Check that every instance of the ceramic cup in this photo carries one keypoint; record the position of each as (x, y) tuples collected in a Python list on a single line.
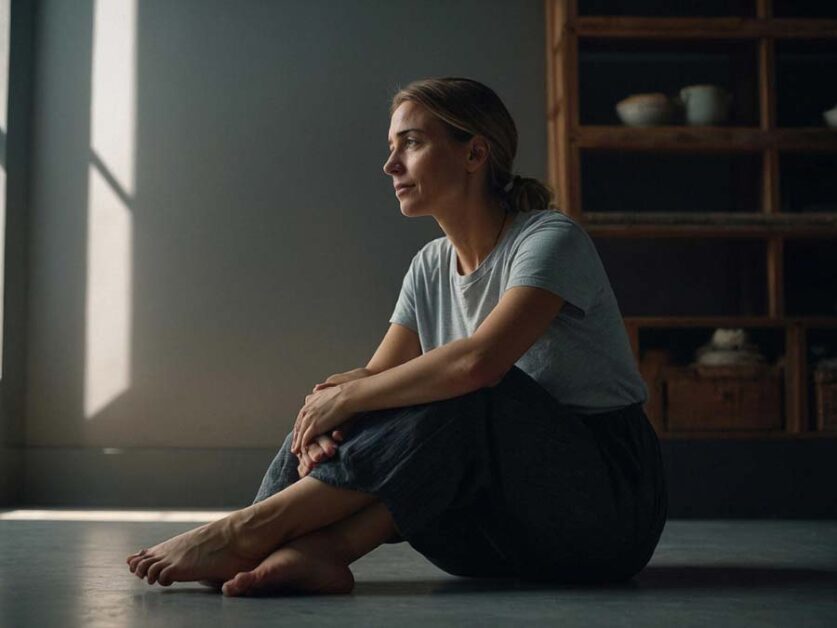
[(830, 117), (644, 109), (705, 104)]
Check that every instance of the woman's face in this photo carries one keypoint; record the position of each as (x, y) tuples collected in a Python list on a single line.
[(425, 159)]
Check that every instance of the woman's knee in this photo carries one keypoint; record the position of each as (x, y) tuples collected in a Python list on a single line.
[(286, 445), (423, 418)]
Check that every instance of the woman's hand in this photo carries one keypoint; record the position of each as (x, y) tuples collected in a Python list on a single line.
[(339, 378), (325, 445), (322, 448), (323, 411)]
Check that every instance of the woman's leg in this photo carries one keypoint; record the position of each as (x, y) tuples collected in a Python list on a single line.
[(238, 542), (318, 562), (421, 461)]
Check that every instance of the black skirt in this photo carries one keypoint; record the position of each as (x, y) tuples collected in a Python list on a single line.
[(506, 482)]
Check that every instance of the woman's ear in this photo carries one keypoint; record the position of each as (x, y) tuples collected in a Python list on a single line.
[(478, 152)]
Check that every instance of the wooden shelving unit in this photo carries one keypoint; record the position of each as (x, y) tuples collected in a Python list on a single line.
[(766, 140)]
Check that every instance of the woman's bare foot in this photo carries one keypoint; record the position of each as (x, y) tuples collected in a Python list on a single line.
[(308, 564), (239, 542), (213, 552)]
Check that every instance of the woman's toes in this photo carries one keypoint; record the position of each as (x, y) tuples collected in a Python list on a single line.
[(136, 561), (144, 566), (154, 571), (240, 584), (166, 576)]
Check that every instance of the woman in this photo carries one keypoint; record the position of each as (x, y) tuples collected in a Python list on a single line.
[(498, 428)]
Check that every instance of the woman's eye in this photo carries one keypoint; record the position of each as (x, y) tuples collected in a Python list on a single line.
[(409, 140)]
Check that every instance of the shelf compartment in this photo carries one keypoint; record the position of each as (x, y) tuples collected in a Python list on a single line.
[(807, 183), (796, 9), (822, 397), (612, 181), (703, 139), (704, 28), (681, 343), (670, 9), (610, 70), (821, 345), (805, 85), (666, 360), (681, 277), (642, 322), (720, 225), (810, 278)]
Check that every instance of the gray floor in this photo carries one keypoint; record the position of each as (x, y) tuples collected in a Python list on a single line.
[(719, 573)]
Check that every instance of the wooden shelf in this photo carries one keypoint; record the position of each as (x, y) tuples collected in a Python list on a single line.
[(711, 28), (714, 225), (752, 58), (704, 139), (826, 322), (749, 435)]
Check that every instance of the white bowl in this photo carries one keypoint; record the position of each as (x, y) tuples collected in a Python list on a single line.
[(644, 110), (830, 117)]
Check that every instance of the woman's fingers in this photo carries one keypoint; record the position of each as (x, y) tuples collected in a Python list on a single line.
[(308, 436), (305, 459), (297, 432), (327, 445), (302, 470), (315, 452)]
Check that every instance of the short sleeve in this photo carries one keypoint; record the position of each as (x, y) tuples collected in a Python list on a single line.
[(405, 308), (557, 255)]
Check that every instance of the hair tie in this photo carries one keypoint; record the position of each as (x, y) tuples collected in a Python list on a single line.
[(515, 180)]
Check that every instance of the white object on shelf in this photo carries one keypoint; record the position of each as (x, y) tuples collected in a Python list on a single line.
[(705, 105), (728, 347), (644, 109), (831, 117)]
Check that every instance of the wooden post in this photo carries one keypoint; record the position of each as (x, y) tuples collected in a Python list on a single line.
[(775, 277), (796, 379), (563, 102)]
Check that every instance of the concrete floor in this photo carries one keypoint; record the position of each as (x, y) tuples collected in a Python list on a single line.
[(718, 573)]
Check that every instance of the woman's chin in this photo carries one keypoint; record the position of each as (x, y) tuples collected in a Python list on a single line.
[(409, 209)]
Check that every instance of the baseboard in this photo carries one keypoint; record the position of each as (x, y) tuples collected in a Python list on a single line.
[(783, 479), (706, 479), (143, 477)]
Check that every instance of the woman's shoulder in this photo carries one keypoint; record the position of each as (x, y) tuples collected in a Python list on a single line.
[(429, 257), (549, 223), (537, 218)]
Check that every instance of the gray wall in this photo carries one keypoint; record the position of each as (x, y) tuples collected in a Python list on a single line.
[(267, 247), (16, 151)]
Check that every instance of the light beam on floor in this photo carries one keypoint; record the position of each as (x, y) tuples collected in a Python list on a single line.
[(196, 516)]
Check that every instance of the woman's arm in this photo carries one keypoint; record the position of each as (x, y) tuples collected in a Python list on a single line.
[(523, 314), (445, 372), (442, 373)]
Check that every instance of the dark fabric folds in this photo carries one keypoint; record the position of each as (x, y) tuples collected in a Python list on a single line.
[(506, 482)]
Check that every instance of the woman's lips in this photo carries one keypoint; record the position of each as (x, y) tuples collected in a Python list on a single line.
[(405, 188)]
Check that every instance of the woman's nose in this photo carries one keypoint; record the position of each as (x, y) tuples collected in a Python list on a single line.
[(390, 165)]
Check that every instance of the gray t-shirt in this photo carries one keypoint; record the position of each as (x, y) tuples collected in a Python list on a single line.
[(584, 359)]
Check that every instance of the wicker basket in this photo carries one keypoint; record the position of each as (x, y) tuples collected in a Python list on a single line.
[(723, 398), (825, 391), (733, 371)]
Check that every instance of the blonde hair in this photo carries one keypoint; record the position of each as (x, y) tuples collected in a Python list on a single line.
[(467, 108)]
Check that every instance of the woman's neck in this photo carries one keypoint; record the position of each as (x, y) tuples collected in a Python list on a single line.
[(474, 235)]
